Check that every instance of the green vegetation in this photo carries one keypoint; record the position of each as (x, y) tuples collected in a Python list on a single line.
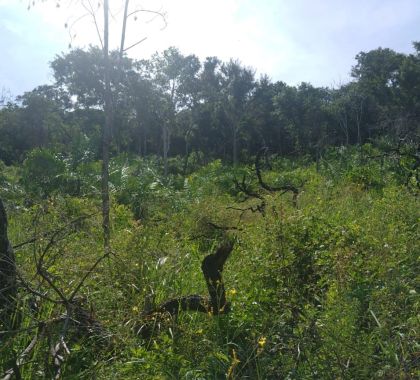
[(323, 279), (327, 289), (174, 105)]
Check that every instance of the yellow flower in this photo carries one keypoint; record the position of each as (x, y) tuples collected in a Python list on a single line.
[(135, 309), (232, 292), (262, 341)]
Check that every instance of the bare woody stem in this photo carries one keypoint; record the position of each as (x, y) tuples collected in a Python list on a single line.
[(106, 133)]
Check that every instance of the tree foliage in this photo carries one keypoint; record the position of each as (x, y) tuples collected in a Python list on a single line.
[(174, 105)]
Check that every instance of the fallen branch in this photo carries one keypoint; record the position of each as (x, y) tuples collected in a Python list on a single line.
[(193, 302)]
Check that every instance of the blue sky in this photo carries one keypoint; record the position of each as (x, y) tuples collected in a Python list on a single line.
[(290, 40)]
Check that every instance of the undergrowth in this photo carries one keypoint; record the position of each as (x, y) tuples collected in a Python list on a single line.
[(324, 290)]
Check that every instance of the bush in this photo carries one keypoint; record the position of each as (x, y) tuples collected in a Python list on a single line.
[(42, 173)]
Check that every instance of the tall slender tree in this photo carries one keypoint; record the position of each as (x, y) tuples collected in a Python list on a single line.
[(106, 133)]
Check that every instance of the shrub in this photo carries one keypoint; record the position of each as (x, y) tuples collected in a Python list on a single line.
[(42, 173)]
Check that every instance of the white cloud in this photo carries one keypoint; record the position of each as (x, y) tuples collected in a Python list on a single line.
[(294, 41)]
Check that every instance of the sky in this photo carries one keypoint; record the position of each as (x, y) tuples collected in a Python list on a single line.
[(293, 41)]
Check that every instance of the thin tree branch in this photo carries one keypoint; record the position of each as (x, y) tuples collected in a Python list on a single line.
[(92, 13), (45, 275), (156, 13), (31, 290), (87, 274), (54, 232), (135, 44)]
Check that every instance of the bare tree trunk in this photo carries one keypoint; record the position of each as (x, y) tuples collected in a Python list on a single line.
[(106, 133), (344, 125), (187, 154), (235, 146), (165, 149), (144, 143), (359, 121), (170, 123), (141, 136), (8, 285), (124, 28)]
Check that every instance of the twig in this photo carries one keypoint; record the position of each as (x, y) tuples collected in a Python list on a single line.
[(54, 232), (156, 13), (77, 288), (45, 275), (135, 44), (36, 326), (31, 290), (92, 14), (20, 360)]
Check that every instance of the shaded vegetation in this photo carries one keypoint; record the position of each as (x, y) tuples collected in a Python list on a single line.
[(326, 289), (312, 193)]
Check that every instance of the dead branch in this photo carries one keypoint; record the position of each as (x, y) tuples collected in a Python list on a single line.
[(252, 194), (135, 44), (154, 13), (37, 325), (60, 350), (87, 274), (46, 276), (222, 228), (244, 188), (30, 289), (283, 189), (193, 302), (78, 318), (215, 304), (76, 314), (91, 13), (54, 232), (212, 267), (21, 358)]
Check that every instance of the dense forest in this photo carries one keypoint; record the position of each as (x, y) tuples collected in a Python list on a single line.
[(176, 106), (257, 230)]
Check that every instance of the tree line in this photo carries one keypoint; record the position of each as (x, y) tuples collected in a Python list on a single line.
[(176, 105)]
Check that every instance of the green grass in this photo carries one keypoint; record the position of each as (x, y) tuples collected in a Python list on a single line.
[(327, 290)]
